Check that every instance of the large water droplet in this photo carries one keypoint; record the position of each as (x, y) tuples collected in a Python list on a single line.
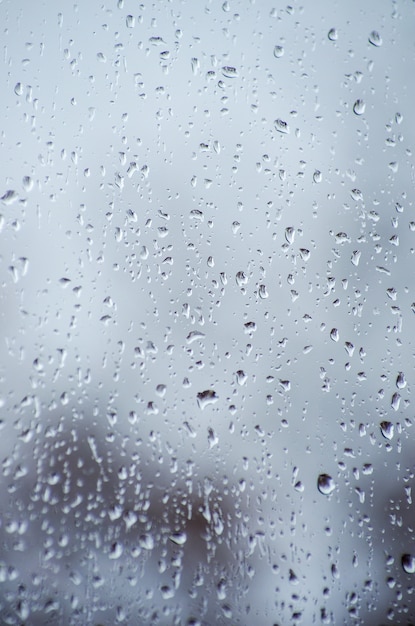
[(400, 381), (386, 428), (325, 484), (408, 563), (333, 34), (204, 398), (359, 107)]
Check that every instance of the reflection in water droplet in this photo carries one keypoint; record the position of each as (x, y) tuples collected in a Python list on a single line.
[(408, 563), (325, 484), (359, 107)]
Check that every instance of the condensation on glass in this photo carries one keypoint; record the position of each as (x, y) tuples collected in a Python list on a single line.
[(207, 312)]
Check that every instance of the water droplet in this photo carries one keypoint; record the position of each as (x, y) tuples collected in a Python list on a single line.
[(116, 550), (408, 563), (241, 377), (325, 484), (194, 335), (9, 197), (400, 381), (146, 542), (204, 398), (229, 71), (281, 126), (130, 21), (356, 257), (213, 439), (386, 428), (262, 291), (289, 234), (27, 183), (333, 34), (396, 400), (359, 107), (18, 90), (178, 538), (278, 52), (375, 39), (241, 279), (317, 176), (334, 334)]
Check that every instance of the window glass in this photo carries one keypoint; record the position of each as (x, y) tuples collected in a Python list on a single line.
[(207, 312)]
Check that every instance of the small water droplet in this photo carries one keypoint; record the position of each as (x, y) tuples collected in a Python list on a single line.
[(262, 291), (289, 234), (194, 335), (278, 52), (400, 381), (241, 377), (317, 176), (229, 71), (333, 34), (375, 39), (356, 257), (325, 484), (178, 538), (396, 400), (130, 21), (281, 126), (359, 107)]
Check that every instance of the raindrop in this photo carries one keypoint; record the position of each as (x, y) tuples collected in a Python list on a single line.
[(325, 484), (333, 34), (229, 71), (400, 381), (396, 400), (178, 538), (116, 550), (408, 563), (281, 126), (194, 335), (356, 257), (359, 107), (241, 279), (27, 183), (386, 428), (204, 398), (289, 234), (334, 334), (278, 52), (317, 176), (241, 377), (18, 90), (130, 21), (9, 197), (375, 39), (262, 291), (213, 439)]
